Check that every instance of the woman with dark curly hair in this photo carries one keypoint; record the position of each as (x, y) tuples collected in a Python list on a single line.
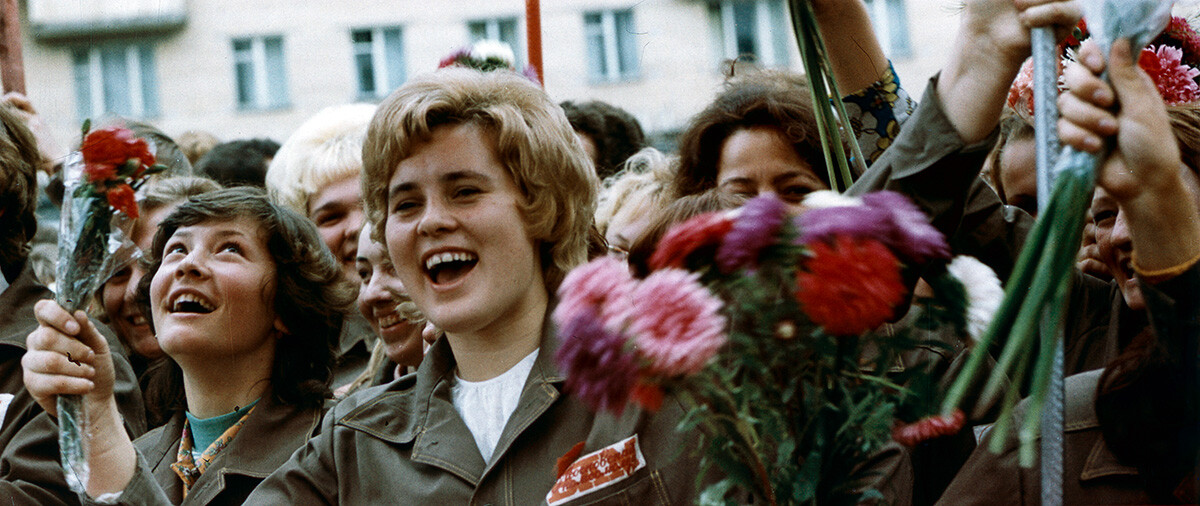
[(760, 133), (247, 303)]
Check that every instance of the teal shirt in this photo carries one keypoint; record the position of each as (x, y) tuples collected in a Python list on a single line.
[(207, 430)]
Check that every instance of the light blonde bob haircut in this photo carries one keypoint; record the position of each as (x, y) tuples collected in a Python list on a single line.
[(325, 149), (534, 143)]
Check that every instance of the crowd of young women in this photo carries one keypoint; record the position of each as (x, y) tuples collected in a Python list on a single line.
[(461, 202)]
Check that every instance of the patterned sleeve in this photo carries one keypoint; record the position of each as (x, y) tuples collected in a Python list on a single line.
[(877, 112)]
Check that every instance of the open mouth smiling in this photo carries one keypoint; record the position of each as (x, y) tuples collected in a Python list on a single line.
[(443, 268), (191, 303)]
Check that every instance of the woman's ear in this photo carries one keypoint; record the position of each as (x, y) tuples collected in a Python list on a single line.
[(279, 326)]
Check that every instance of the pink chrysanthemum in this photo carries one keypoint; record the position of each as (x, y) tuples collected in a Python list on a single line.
[(678, 328), (850, 286), (753, 230), (599, 369), (601, 287), (1179, 33), (1176, 81), (682, 240)]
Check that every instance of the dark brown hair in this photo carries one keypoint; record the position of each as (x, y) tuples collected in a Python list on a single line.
[(761, 99), (311, 295), (19, 158)]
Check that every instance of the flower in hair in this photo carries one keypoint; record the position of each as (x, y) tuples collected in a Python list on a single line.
[(850, 286), (486, 56), (754, 229), (1179, 33), (1020, 94), (1176, 81)]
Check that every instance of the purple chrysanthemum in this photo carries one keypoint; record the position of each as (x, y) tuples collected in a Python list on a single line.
[(754, 229), (599, 370), (912, 234), (680, 327), (854, 221), (885, 216)]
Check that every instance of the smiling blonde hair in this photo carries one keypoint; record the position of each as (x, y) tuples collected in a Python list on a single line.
[(533, 141)]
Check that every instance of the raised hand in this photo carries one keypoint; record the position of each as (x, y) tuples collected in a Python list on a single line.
[(66, 355)]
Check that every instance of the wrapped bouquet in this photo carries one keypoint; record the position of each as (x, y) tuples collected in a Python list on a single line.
[(101, 179)]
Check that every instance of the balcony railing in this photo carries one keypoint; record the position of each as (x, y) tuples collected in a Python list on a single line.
[(59, 19)]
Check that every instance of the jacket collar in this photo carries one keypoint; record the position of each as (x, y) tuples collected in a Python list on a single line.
[(271, 434), (418, 410), (1080, 416)]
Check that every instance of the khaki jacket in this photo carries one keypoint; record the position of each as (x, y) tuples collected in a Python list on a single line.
[(405, 443), (1092, 473), (268, 438), (30, 472)]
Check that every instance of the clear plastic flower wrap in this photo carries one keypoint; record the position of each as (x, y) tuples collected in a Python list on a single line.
[(98, 205)]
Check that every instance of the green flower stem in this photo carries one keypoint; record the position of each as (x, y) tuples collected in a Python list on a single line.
[(1077, 187), (1024, 328), (1011, 397), (859, 160), (1022, 277), (1031, 427), (808, 37)]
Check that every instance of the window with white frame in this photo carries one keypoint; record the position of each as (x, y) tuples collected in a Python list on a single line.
[(500, 29), (611, 45), (378, 61), (755, 31), (891, 26), (259, 72), (116, 79)]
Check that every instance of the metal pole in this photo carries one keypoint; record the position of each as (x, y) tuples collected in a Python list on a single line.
[(12, 68), (533, 36), (1045, 79)]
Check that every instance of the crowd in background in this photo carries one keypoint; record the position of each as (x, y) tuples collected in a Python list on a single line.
[(360, 314)]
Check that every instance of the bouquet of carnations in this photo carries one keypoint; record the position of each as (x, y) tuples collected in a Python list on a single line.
[(761, 324), (101, 179)]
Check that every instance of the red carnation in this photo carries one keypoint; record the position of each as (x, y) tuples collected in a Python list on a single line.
[(851, 286), (114, 146), (682, 240), (648, 396), (928, 428), (121, 198), (98, 172)]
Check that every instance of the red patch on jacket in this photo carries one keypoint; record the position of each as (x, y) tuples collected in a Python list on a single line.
[(597, 470)]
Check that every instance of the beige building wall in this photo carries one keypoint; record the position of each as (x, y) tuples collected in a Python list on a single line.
[(678, 57)]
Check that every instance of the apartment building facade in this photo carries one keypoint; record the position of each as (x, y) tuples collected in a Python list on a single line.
[(255, 68)]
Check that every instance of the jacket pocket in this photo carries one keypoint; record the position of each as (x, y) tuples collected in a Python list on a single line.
[(645, 490)]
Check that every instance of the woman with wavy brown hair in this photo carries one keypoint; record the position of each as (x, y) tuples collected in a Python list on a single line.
[(247, 303)]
